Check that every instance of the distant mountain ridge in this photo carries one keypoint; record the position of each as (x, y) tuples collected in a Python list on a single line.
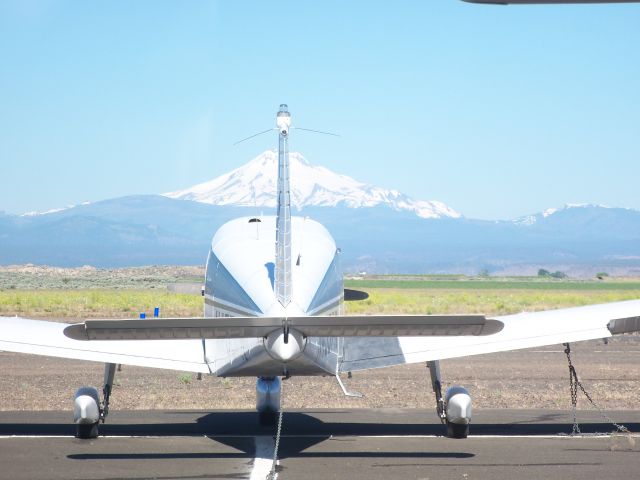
[(377, 230), (255, 184), (152, 229)]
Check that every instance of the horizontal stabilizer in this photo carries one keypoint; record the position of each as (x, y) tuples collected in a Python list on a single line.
[(256, 327)]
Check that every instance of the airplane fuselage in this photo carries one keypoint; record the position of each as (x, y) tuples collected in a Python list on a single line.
[(240, 281)]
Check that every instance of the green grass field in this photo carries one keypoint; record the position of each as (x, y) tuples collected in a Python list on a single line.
[(413, 297), (488, 301), (97, 303), (461, 294)]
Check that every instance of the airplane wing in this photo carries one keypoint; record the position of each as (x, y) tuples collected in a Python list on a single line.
[(369, 341), (555, 2), (47, 338), (523, 330)]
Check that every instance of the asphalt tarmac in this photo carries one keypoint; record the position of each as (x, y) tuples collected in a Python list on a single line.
[(323, 444)]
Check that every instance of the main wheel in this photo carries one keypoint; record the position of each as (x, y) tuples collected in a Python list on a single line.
[(87, 430), (267, 417), (456, 430)]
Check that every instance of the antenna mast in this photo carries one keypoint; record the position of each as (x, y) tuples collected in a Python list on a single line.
[(283, 219)]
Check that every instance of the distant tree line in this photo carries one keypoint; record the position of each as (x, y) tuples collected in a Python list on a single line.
[(546, 273)]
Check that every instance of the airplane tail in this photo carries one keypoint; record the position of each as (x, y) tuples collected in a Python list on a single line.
[(283, 219)]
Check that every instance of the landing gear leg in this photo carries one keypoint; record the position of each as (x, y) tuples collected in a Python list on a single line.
[(436, 384), (109, 375)]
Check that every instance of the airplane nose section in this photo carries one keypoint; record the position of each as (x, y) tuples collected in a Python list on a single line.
[(285, 349)]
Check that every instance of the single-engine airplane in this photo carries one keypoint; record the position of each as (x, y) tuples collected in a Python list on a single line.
[(273, 307)]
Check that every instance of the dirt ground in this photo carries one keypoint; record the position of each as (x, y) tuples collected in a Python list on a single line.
[(29, 277), (535, 378)]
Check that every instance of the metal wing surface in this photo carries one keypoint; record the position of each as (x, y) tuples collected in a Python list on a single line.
[(368, 342), (546, 2), (47, 338), (523, 330)]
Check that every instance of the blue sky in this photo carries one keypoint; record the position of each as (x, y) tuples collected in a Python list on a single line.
[(496, 111)]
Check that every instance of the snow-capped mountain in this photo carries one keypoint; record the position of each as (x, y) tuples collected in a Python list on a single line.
[(255, 184), (532, 219), (52, 210), (578, 208)]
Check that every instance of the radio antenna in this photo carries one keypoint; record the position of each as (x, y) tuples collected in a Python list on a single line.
[(254, 135), (316, 131), (292, 127)]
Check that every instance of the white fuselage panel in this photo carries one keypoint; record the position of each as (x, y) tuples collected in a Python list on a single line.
[(240, 280)]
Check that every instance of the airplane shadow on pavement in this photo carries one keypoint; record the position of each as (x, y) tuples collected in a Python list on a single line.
[(301, 430)]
